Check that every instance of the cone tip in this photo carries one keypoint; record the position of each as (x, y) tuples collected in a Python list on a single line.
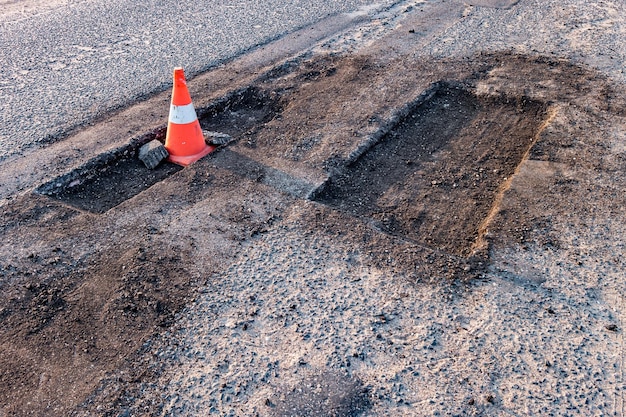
[(178, 72)]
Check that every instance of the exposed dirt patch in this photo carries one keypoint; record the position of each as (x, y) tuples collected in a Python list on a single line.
[(84, 319), (112, 178), (110, 184), (434, 178), (240, 112)]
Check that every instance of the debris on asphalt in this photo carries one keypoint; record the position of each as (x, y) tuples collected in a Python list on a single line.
[(153, 153), (217, 138)]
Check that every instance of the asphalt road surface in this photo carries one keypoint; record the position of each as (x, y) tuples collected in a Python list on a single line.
[(63, 63), (221, 291)]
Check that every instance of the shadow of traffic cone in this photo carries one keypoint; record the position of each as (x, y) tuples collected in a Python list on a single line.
[(184, 140)]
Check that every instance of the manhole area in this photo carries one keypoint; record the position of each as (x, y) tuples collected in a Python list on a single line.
[(434, 178), (114, 177)]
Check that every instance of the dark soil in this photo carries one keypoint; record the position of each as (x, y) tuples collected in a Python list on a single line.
[(240, 112), (89, 187), (434, 178), (94, 192)]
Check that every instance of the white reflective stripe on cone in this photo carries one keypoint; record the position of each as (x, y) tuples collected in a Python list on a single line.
[(182, 114)]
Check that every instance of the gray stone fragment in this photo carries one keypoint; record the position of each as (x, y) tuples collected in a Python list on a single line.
[(216, 138), (152, 153)]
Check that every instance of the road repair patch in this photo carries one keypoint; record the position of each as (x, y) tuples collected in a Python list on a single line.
[(215, 289), (112, 178), (433, 179)]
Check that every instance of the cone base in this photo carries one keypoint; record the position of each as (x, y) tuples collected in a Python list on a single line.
[(190, 159)]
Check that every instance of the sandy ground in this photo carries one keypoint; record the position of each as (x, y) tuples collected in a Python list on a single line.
[(299, 272)]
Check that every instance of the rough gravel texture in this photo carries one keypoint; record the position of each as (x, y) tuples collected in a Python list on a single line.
[(234, 287)]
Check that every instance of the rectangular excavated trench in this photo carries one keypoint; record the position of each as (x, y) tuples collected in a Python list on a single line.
[(434, 178), (116, 176)]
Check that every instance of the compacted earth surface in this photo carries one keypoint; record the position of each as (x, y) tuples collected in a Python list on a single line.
[(401, 226)]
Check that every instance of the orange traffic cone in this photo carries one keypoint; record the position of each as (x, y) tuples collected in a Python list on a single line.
[(184, 140)]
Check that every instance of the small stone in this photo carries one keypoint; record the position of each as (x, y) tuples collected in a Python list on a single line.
[(152, 154), (216, 138)]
